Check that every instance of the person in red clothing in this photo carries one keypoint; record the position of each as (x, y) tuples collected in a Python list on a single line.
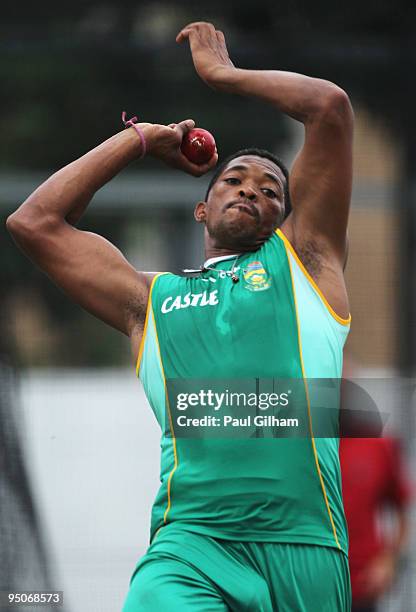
[(373, 479)]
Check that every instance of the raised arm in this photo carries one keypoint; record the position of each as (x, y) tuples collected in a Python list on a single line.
[(321, 176), (91, 270)]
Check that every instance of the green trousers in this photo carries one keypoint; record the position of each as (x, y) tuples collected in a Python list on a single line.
[(188, 572)]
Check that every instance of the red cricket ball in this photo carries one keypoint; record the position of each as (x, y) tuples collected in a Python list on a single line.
[(198, 146)]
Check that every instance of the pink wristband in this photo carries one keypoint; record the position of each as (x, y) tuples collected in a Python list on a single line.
[(133, 123)]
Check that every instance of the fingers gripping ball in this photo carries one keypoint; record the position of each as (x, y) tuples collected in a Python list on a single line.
[(198, 146)]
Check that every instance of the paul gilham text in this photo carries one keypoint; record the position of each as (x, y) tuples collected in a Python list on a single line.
[(228, 421)]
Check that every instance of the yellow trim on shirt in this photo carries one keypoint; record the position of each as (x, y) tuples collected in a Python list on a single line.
[(175, 465), (148, 308), (315, 453), (149, 312), (312, 282)]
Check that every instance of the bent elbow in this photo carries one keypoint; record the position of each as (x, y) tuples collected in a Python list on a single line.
[(337, 108), (15, 225), (27, 225)]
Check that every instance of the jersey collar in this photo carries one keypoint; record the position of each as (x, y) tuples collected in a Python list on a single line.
[(214, 260)]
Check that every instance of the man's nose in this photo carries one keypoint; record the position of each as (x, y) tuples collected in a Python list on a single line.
[(248, 192)]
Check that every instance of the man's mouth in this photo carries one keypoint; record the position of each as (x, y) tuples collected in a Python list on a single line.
[(244, 207)]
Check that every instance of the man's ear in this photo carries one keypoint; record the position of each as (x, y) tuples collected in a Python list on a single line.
[(200, 213)]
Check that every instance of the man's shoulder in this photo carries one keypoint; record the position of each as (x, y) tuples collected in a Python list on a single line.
[(167, 281)]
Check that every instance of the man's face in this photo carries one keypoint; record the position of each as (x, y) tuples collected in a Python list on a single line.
[(245, 204)]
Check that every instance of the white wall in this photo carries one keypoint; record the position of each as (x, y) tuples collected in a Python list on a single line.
[(92, 449)]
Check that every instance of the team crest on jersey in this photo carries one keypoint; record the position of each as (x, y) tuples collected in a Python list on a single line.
[(256, 277)]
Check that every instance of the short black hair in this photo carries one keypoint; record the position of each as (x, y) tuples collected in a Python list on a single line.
[(259, 153)]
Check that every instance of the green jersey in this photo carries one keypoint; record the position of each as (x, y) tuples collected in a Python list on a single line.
[(273, 323)]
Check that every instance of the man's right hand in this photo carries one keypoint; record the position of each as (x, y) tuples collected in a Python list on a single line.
[(209, 53), (164, 142)]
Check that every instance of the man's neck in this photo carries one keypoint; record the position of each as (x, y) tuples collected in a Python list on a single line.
[(214, 252), (213, 249)]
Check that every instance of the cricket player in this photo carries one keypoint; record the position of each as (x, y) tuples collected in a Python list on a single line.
[(238, 524)]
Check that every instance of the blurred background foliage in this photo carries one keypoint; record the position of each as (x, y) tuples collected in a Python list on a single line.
[(68, 71)]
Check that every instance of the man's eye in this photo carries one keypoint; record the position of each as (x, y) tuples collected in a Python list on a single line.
[(269, 193), (232, 180)]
